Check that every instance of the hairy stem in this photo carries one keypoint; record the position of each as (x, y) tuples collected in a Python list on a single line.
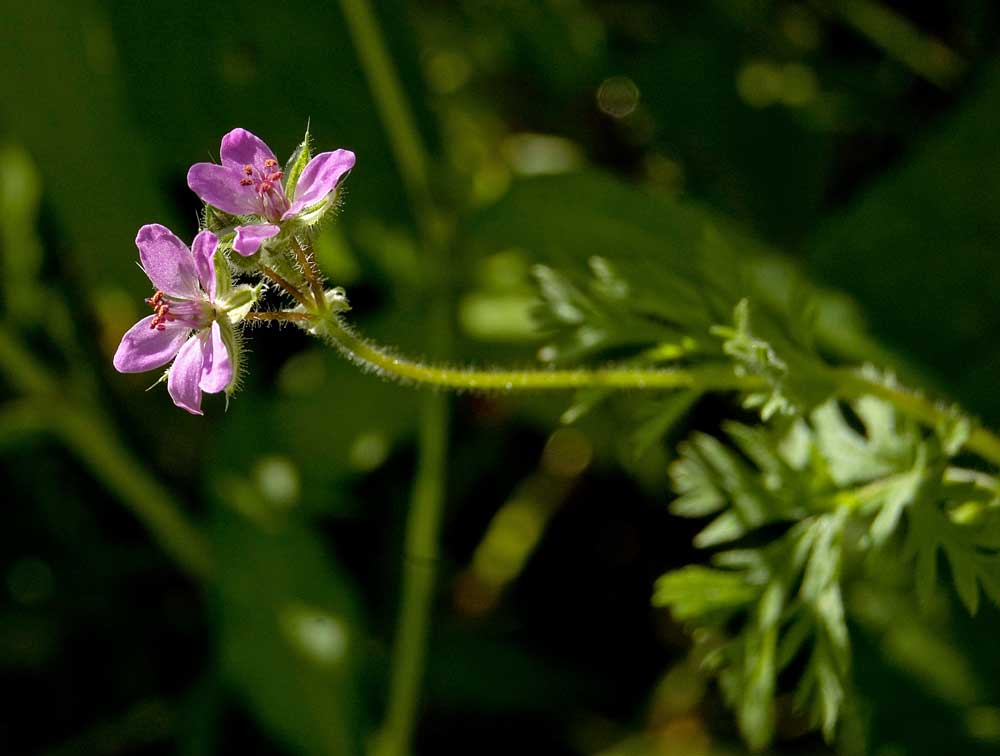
[(288, 287), (367, 354), (300, 317), (981, 441), (308, 264), (852, 384)]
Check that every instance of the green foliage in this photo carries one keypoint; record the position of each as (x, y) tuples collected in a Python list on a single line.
[(799, 508), (655, 281), (288, 635), (773, 605), (836, 482)]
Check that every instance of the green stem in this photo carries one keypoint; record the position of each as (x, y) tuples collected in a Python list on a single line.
[(307, 263), (854, 385), (91, 438), (923, 54), (95, 444), (366, 354), (420, 559), (394, 111), (427, 501), (288, 288)]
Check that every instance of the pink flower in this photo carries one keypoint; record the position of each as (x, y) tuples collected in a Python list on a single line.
[(249, 182), (185, 323)]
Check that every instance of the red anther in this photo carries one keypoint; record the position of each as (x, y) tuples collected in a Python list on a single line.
[(276, 176), (161, 310), (248, 170), (265, 187), (270, 163), (245, 182)]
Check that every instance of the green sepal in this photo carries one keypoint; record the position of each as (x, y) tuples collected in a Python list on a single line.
[(223, 277), (239, 301), (296, 163), (219, 222), (233, 345)]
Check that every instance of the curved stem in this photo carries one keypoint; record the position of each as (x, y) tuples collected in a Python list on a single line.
[(983, 442), (853, 385), (89, 435), (366, 354)]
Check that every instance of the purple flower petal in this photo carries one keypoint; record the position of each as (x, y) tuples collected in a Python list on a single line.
[(185, 375), (319, 178), (203, 248), (144, 348), (217, 368), (168, 262), (240, 148), (249, 238), (219, 185)]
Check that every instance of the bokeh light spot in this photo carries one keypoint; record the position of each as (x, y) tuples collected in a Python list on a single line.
[(759, 84), (369, 451), (278, 480), (618, 96), (316, 633)]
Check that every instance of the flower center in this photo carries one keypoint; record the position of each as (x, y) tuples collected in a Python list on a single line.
[(182, 312), (266, 181)]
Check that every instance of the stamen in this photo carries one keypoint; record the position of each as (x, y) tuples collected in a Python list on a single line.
[(276, 176), (162, 314), (270, 163), (248, 170), (245, 182), (265, 187)]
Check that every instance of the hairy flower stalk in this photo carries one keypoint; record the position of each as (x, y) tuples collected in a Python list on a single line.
[(377, 359)]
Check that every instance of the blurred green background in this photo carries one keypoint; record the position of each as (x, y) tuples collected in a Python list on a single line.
[(229, 584)]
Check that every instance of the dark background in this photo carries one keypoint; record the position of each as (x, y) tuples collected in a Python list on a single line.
[(857, 138)]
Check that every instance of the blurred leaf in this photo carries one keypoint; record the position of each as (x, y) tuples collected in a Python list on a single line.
[(623, 269), (696, 591), (659, 418), (20, 249), (92, 164), (768, 165), (927, 233), (971, 551), (288, 635)]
